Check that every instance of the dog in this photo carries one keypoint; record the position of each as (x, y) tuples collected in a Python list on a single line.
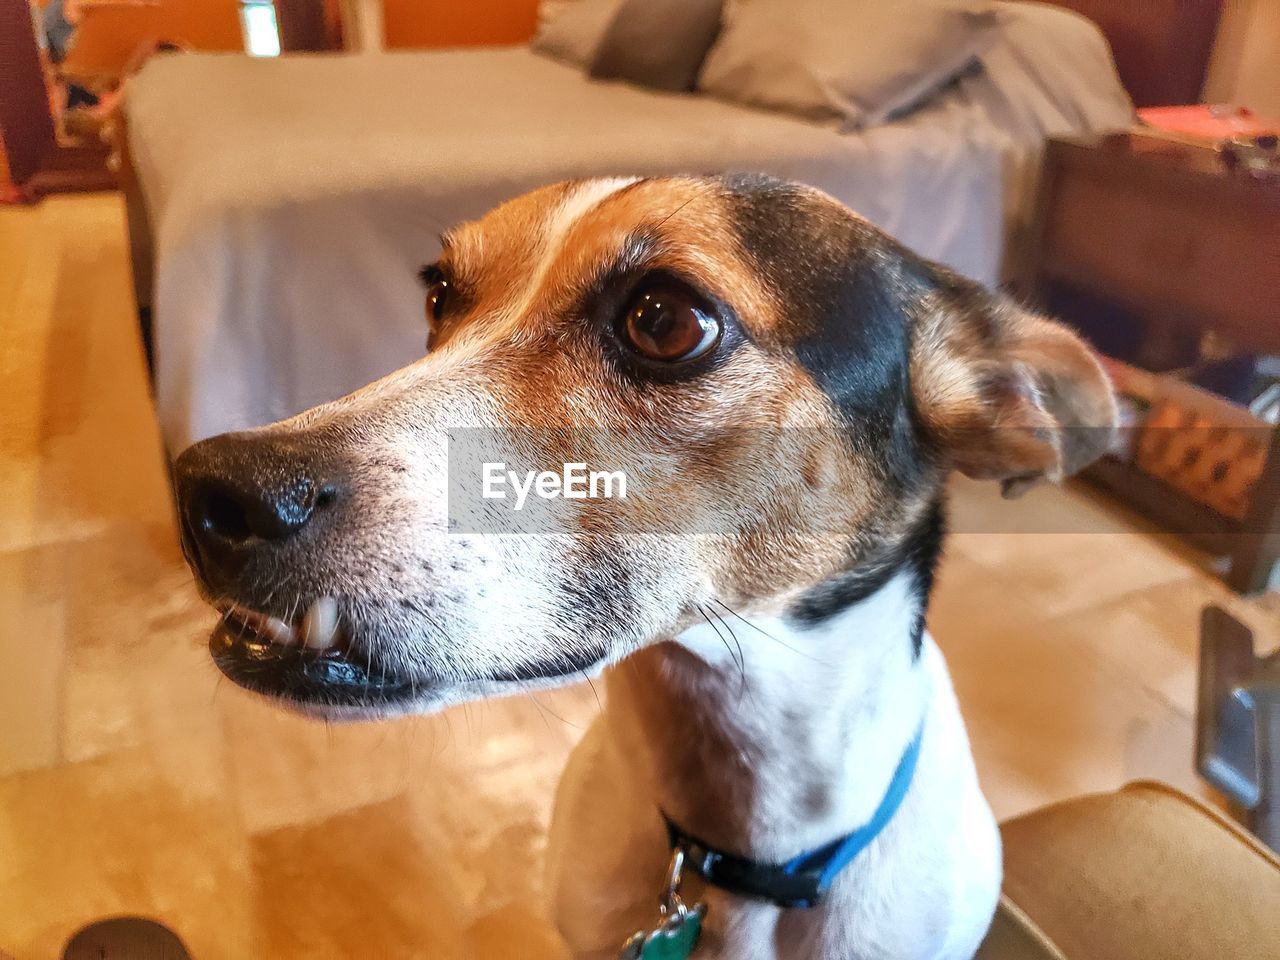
[(780, 769)]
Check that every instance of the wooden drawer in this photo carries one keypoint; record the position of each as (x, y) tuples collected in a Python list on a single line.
[(1204, 251)]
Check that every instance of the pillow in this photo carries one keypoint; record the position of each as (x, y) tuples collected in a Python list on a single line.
[(861, 62), (658, 43), (572, 30)]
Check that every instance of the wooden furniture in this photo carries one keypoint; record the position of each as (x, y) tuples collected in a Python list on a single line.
[(1137, 234), (38, 163), (1165, 229)]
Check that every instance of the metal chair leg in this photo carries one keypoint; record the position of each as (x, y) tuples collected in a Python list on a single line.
[(1265, 817), (1238, 721)]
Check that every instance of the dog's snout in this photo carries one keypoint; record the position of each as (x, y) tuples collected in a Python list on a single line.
[(242, 492)]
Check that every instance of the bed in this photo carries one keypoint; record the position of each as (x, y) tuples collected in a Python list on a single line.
[(287, 203)]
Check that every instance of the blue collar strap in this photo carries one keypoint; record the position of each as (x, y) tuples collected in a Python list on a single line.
[(802, 881)]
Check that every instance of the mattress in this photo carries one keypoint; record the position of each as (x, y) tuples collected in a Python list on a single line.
[(292, 200)]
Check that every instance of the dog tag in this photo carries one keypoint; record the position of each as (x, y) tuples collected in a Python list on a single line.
[(674, 939), (677, 932)]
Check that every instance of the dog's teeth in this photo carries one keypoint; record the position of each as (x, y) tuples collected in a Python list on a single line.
[(271, 629), (320, 625), (276, 630)]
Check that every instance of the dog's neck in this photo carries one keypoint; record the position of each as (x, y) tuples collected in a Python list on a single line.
[(767, 739)]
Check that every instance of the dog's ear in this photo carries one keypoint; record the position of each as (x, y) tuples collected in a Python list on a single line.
[(1005, 394)]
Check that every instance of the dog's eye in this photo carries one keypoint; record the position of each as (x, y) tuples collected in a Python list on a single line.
[(669, 325), (440, 291), (437, 297)]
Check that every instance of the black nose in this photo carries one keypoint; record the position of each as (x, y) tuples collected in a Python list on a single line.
[(239, 512), (243, 492)]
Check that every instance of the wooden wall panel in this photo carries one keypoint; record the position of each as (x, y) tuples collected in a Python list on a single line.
[(450, 23), (1161, 47), (1246, 60), (111, 33)]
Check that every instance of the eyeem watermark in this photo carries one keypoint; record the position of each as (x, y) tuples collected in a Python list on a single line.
[(732, 480), (574, 482)]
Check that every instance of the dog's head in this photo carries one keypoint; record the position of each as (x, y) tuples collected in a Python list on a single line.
[(801, 383)]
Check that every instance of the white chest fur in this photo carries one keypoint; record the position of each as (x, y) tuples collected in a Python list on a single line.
[(769, 752)]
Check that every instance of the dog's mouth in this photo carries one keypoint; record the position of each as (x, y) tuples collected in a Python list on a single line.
[(309, 662), (315, 664)]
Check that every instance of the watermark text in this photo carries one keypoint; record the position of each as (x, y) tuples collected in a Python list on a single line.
[(574, 482)]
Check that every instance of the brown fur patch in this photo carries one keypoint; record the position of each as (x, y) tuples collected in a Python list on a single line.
[(1009, 395)]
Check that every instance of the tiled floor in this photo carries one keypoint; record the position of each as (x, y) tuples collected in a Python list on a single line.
[(133, 781)]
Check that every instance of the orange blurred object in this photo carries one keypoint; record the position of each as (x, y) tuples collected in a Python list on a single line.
[(1206, 121), (110, 32), (1211, 452), (450, 23)]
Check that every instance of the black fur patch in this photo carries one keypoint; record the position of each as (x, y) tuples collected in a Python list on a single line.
[(566, 665), (919, 553), (844, 287), (847, 293), (598, 588)]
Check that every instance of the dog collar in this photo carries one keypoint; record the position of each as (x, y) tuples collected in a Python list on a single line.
[(803, 880)]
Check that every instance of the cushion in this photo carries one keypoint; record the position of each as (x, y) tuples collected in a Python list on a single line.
[(1143, 874), (859, 62), (658, 43), (1014, 936), (571, 31)]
